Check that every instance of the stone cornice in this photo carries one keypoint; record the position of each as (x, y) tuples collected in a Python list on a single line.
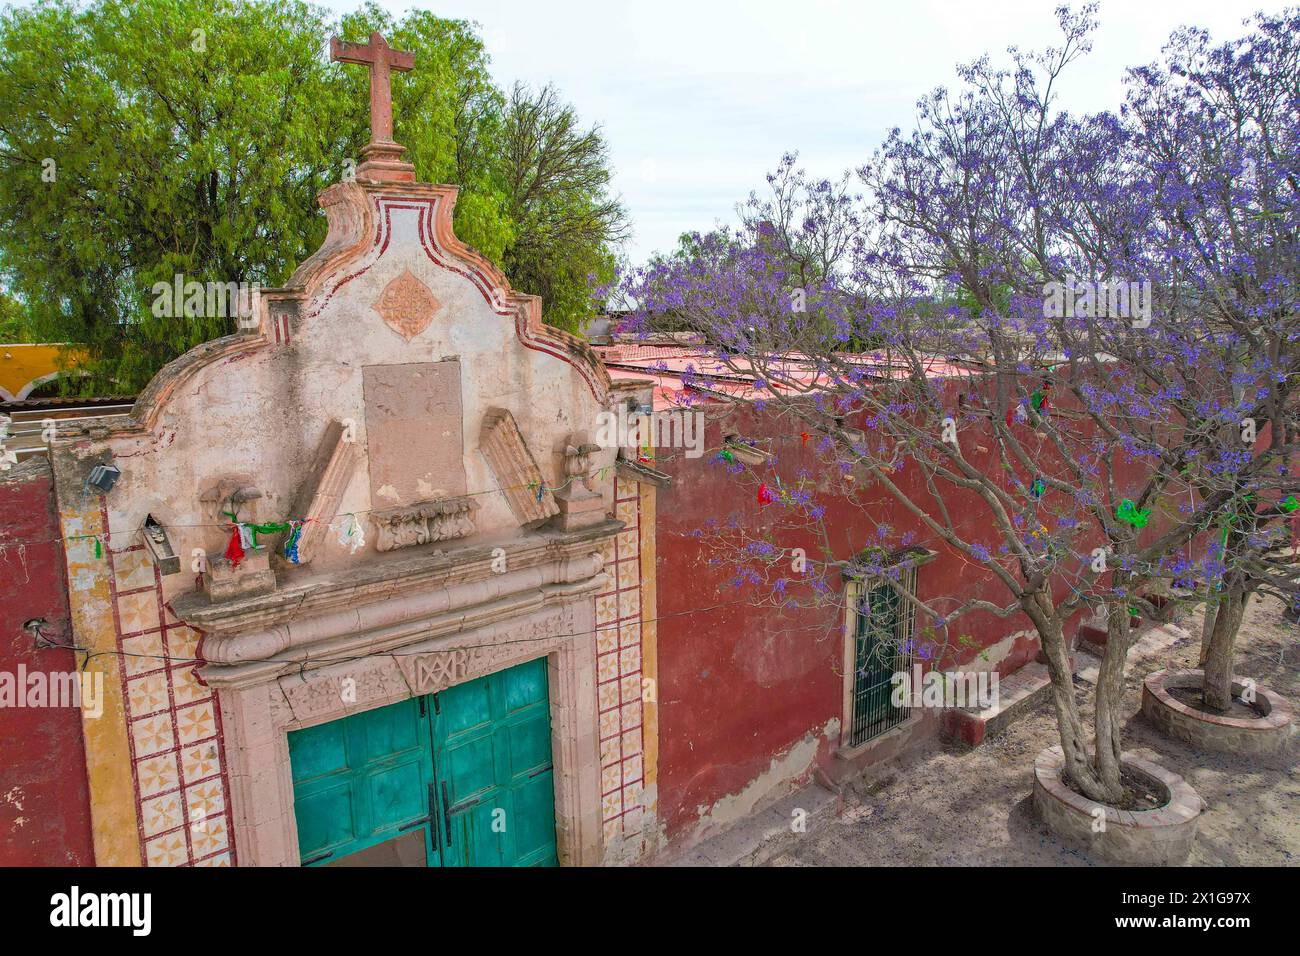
[(404, 593)]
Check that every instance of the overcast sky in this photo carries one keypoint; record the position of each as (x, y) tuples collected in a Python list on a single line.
[(699, 98)]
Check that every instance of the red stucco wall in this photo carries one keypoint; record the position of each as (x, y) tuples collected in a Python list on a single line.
[(742, 684), (44, 796)]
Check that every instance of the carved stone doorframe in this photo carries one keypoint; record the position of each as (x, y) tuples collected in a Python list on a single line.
[(257, 717)]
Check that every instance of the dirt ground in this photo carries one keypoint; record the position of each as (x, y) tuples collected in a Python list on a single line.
[(950, 805)]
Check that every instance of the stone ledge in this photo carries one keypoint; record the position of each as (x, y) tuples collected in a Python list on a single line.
[(1019, 693), (1259, 736)]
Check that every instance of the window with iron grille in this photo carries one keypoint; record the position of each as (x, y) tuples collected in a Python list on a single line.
[(881, 623)]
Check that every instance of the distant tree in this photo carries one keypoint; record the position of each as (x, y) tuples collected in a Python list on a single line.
[(556, 178), (141, 140)]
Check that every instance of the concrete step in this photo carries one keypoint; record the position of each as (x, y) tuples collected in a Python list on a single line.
[(1154, 642), (1018, 694)]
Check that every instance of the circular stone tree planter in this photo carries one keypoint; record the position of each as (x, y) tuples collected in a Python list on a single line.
[(1258, 736), (1161, 836)]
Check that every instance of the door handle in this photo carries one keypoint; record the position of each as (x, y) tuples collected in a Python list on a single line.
[(446, 813), (431, 819)]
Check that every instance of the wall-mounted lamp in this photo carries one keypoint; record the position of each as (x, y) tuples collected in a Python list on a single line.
[(103, 478)]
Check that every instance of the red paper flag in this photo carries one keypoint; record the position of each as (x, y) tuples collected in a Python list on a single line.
[(235, 549)]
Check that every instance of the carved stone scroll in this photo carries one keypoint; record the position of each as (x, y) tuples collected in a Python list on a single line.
[(504, 448), (318, 498)]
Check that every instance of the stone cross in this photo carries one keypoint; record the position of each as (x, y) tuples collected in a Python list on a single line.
[(382, 60)]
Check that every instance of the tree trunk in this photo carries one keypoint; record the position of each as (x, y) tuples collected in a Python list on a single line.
[(1110, 696), (1078, 768), (1216, 685), (1207, 627)]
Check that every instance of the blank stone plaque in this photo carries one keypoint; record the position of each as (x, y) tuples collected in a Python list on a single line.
[(413, 432)]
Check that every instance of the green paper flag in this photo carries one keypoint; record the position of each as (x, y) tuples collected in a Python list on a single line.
[(1128, 513), (1289, 504)]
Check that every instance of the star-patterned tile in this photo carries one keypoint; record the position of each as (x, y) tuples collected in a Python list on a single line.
[(157, 774)]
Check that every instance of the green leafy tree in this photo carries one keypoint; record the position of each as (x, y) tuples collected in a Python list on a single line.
[(141, 140)]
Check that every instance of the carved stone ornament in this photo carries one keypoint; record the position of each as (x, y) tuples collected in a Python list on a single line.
[(407, 305), (577, 464), (425, 523)]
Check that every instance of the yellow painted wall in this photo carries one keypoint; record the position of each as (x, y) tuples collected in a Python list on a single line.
[(23, 364)]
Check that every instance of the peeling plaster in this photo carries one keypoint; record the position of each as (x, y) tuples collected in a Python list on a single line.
[(793, 764)]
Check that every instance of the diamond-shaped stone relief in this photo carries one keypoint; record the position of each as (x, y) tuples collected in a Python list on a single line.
[(406, 305)]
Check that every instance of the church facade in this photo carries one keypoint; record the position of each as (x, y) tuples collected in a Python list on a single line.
[(360, 587)]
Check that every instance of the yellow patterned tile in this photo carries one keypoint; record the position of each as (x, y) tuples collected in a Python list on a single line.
[(606, 638), (209, 835), (166, 850), (629, 574), (631, 794), (627, 543), (610, 751), (157, 774), (195, 723), (606, 609), (612, 827), (147, 695), (611, 778), (629, 660), (200, 761), (626, 512), (631, 688), (160, 814), (632, 715), (629, 604), (132, 570), (138, 612), (609, 724), (611, 805), (182, 644), (632, 741), (629, 633), (221, 859), (143, 653), (607, 694), (152, 735), (606, 667), (205, 799), (186, 687), (632, 768)]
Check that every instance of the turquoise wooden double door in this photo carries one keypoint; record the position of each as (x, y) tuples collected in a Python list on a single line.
[(458, 778)]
